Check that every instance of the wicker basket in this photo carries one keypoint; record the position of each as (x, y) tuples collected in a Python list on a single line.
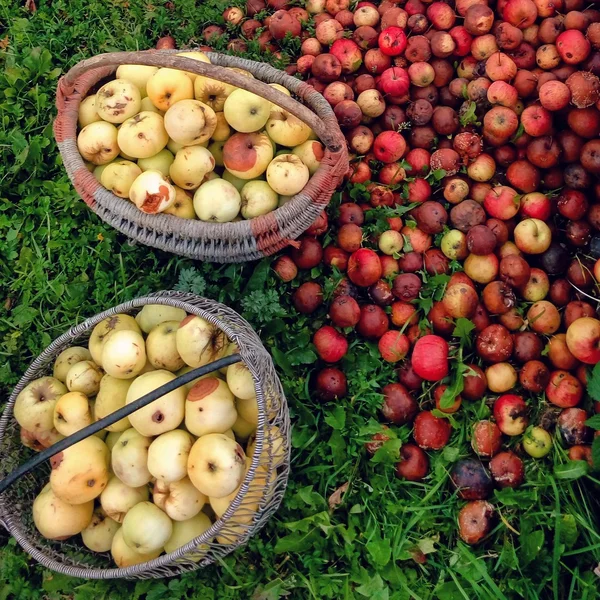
[(218, 242), (236, 525)]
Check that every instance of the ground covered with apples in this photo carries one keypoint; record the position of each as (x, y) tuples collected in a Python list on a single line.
[(438, 362)]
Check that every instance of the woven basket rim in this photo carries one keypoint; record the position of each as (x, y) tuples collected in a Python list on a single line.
[(180, 300), (270, 232)]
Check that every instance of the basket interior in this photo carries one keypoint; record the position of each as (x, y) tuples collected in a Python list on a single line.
[(249, 510)]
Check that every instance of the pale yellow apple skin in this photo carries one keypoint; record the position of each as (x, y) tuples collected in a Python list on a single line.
[(97, 142), (87, 111), (222, 131), (143, 135), (258, 198), (118, 100), (286, 130), (118, 177), (159, 162), (168, 86), (287, 174), (138, 75), (246, 112), (190, 122), (208, 210), (190, 166), (55, 519)]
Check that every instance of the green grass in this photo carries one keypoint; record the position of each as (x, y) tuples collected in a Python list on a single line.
[(386, 539)]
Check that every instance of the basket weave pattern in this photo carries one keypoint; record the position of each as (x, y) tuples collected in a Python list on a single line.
[(218, 242), (238, 523)]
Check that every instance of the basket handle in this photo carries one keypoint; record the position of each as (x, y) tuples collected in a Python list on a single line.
[(170, 59)]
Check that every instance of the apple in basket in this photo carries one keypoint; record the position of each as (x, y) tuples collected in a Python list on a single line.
[(97, 142), (98, 535), (142, 136), (258, 198), (247, 155), (246, 112), (216, 465), (138, 75), (287, 174), (118, 100), (168, 86), (152, 193), (190, 167), (118, 177), (229, 201), (190, 122), (58, 520)]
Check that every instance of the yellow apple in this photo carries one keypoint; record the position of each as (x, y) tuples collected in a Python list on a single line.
[(138, 75), (285, 129), (217, 201), (159, 162), (222, 131), (118, 177), (287, 174), (118, 100), (87, 111), (143, 136), (168, 86), (97, 142), (190, 166), (246, 112), (258, 199), (190, 122), (183, 207)]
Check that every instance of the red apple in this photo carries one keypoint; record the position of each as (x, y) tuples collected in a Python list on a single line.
[(392, 41), (510, 413), (331, 345), (430, 358), (364, 267)]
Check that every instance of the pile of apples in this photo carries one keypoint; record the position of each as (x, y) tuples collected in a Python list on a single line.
[(474, 133), (157, 479), (186, 145)]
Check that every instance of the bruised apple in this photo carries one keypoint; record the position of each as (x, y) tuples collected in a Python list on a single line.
[(80, 473), (163, 414), (209, 407), (199, 341), (99, 534)]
